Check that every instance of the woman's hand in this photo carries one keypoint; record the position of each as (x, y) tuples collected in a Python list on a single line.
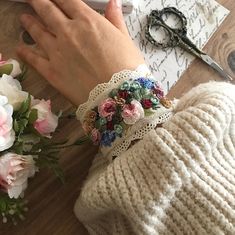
[(80, 47)]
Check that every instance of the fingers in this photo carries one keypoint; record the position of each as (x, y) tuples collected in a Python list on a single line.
[(35, 60), (72, 8), (49, 13), (114, 14), (38, 32)]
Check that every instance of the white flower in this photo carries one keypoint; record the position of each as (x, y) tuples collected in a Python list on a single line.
[(16, 67), (7, 134), (14, 173), (132, 112), (11, 88), (16, 70)]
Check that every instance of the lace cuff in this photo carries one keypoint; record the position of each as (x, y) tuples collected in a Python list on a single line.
[(123, 110)]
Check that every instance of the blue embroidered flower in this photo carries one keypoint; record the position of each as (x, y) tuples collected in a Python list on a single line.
[(145, 82), (107, 138)]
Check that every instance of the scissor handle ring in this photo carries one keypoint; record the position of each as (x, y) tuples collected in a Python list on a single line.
[(155, 19)]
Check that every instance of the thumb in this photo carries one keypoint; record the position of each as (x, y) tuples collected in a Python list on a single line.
[(113, 13)]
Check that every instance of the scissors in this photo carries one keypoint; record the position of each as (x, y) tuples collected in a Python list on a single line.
[(178, 36)]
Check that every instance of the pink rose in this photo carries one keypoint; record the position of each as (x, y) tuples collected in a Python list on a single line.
[(107, 108), (14, 173), (132, 112), (47, 121), (95, 136), (7, 134)]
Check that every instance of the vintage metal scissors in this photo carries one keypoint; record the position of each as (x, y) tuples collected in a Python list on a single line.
[(177, 36)]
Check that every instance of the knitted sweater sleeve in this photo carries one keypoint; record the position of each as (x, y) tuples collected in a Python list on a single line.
[(179, 179)]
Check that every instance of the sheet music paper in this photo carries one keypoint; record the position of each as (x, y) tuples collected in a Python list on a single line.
[(167, 65)]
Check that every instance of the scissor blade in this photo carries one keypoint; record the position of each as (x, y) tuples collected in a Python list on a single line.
[(207, 59)]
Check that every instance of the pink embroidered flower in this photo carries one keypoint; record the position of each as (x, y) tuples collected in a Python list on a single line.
[(95, 136), (158, 91), (132, 112), (107, 108), (14, 173), (147, 103), (7, 134), (47, 121)]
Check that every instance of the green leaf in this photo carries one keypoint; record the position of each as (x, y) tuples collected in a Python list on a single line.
[(81, 140), (18, 148), (3, 205), (50, 160), (59, 173), (6, 69), (33, 116), (22, 124), (11, 209), (25, 106), (16, 126), (21, 77)]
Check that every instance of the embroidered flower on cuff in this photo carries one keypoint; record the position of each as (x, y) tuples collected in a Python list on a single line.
[(107, 138), (95, 136), (133, 100), (107, 108), (132, 112)]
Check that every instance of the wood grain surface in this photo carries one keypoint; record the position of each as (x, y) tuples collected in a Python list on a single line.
[(50, 202)]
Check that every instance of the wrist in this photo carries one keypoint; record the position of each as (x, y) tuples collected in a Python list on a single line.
[(129, 99)]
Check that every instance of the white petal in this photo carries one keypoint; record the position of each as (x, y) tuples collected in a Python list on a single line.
[(15, 191), (16, 67), (3, 100), (7, 141)]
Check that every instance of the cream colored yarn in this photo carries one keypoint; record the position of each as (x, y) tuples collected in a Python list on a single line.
[(179, 179)]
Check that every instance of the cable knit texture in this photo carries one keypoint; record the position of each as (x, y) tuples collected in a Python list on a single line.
[(179, 179)]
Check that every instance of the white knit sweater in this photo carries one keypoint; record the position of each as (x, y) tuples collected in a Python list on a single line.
[(179, 179)]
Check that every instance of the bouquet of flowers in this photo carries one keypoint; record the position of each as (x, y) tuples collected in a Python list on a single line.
[(26, 126)]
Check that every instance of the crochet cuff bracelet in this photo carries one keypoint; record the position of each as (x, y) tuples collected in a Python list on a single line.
[(131, 101)]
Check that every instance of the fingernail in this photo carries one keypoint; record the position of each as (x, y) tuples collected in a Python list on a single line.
[(118, 3)]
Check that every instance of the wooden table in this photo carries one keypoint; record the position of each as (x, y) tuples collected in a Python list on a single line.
[(50, 202)]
